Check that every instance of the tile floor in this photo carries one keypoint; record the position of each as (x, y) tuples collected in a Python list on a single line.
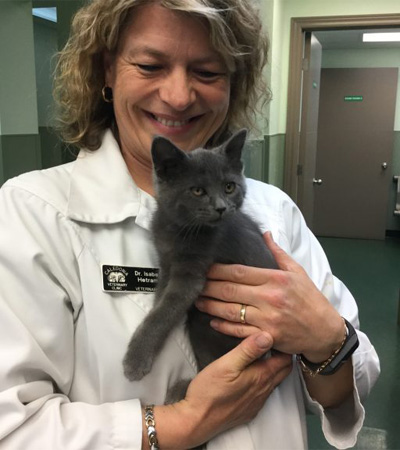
[(371, 270)]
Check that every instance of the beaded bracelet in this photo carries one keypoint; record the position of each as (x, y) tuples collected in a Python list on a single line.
[(151, 427)]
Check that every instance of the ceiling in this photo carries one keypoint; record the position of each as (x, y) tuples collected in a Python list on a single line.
[(352, 39)]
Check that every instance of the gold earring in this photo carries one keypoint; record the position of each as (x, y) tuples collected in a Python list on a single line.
[(106, 92)]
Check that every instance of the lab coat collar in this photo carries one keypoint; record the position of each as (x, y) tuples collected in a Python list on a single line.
[(102, 189)]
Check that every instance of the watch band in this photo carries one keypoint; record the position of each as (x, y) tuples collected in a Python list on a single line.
[(330, 366)]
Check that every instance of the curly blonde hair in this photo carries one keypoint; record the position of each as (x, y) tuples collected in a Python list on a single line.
[(235, 32)]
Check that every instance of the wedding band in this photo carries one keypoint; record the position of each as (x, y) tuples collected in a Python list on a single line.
[(243, 314)]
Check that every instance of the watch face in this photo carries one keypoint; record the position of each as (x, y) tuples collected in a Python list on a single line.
[(347, 350)]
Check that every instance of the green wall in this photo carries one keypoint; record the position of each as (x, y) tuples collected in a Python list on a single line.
[(19, 139), (19, 153), (27, 48), (18, 106)]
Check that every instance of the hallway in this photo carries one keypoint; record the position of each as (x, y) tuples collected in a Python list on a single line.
[(371, 270)]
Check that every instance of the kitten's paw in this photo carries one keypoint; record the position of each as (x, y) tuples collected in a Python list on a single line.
[(138, 360), (139, 357), (135, 369)]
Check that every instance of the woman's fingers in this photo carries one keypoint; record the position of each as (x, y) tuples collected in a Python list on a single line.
[(231, 390), (237, 273), (232, 312), (233, 329), (238, 293), (233, 319), (284, 302), (254, 276)]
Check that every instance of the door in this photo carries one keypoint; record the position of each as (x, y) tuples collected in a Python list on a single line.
[(309, 125), (355, 144)]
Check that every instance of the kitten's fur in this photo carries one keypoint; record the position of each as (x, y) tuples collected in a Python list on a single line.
[(198, 222)]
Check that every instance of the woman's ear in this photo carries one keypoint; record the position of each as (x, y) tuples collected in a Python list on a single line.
[(108, 65)]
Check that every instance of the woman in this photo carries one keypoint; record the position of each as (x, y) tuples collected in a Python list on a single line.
[(191, 71)]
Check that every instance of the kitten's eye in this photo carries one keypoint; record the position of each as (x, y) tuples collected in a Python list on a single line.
[(198, 191), (230, 187)]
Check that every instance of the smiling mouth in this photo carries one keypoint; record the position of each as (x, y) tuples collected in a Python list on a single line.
[(172, 123)]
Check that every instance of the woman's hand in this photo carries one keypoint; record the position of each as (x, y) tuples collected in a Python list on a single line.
[(284, 302), (228, 392)]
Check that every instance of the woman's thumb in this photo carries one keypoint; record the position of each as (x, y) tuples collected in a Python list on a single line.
[(251, 349)]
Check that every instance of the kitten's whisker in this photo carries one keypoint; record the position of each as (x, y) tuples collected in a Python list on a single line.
[(187, 229)]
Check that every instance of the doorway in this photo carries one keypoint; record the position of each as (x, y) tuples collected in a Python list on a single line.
[(301, 124), (354, 151)]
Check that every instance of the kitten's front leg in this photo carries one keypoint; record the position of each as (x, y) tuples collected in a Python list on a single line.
[(176, 298), (144, 345)]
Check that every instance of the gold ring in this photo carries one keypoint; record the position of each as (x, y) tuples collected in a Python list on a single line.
[(243, 314)]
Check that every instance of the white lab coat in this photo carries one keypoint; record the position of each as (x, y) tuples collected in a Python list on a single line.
[(62, 337)]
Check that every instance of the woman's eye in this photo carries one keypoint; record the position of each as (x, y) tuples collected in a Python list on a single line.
[(230, 187), (149, 68), (207, 74), (197, 191)]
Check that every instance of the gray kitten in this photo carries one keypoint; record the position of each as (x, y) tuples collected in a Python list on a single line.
[(198, 222)]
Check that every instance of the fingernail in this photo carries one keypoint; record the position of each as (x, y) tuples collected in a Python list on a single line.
[(199, 304), (263, 341), (214, 324)]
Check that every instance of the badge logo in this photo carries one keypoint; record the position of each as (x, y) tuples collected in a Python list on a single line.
[(116, 277)]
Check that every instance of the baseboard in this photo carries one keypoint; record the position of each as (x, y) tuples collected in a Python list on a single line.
[(393, 233)]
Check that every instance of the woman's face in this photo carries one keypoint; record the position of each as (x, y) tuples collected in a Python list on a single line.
[(167, 80)]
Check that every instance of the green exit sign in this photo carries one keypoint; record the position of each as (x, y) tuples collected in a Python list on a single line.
[(353, 98)]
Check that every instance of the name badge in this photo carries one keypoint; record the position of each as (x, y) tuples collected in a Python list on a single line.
[(129, 279)]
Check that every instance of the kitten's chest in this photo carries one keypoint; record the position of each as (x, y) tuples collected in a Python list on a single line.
[(189, 244)]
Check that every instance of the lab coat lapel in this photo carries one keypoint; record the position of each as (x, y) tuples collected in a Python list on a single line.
[(102, 189)]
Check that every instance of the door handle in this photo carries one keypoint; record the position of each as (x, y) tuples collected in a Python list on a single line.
[(317, 181)]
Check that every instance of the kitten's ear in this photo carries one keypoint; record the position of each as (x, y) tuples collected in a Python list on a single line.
[(167, 158), (234, 146)]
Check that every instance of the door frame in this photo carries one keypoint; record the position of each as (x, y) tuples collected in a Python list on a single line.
[(299, 26)]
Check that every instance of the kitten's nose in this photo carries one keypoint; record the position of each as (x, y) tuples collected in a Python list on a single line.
[(221, 210)]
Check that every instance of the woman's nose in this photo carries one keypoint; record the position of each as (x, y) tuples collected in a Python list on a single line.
[(177, 90)]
